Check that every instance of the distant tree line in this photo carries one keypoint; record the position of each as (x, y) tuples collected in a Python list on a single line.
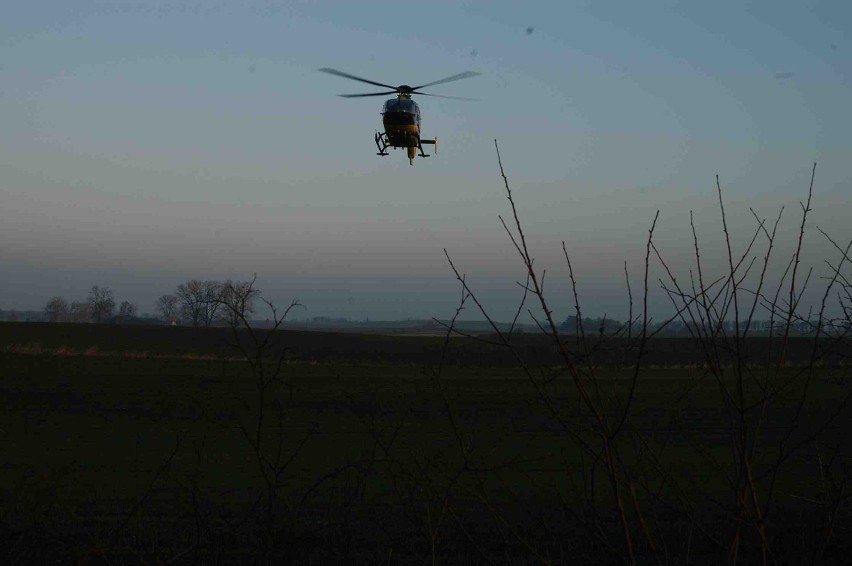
[(98, 306), (196, 303), (208, 302)]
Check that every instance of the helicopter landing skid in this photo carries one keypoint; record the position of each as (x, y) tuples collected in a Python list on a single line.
[(431, 142), (382, 143)]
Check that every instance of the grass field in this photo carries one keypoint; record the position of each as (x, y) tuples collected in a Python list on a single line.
[(124, 449)]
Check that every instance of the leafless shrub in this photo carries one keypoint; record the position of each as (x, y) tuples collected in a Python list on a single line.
[(273, 449), (646, 497)]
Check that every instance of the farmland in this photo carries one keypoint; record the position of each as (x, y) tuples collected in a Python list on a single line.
[(131, 445)]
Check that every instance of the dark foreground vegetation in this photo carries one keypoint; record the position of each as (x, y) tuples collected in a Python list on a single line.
[(140, 445)]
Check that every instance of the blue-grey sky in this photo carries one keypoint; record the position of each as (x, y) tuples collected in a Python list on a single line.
[(144, 143)]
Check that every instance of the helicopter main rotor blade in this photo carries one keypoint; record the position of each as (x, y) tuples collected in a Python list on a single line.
[(445, 96), (353, 77), (367, 94), (460, 76)]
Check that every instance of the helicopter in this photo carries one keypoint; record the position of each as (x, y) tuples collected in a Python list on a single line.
[(401, 115)]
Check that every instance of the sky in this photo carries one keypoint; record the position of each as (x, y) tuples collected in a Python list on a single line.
[(145, 143)]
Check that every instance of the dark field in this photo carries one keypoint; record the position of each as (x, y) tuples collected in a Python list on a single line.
[(374, 347), (141, 445)]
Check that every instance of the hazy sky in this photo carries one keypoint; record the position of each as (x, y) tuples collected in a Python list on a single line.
[(146, 143)]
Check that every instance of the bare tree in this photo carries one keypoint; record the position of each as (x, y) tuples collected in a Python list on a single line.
[(101, 303), (127, 311), (199, 301), (189, 297), (56, 310), (238, 301), (167, 306), (79, 312)]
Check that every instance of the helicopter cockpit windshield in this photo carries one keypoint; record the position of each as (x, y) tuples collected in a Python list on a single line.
[(403, 105), (400, 112)]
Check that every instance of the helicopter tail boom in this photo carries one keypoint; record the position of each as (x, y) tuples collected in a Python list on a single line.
[(432, 142)]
